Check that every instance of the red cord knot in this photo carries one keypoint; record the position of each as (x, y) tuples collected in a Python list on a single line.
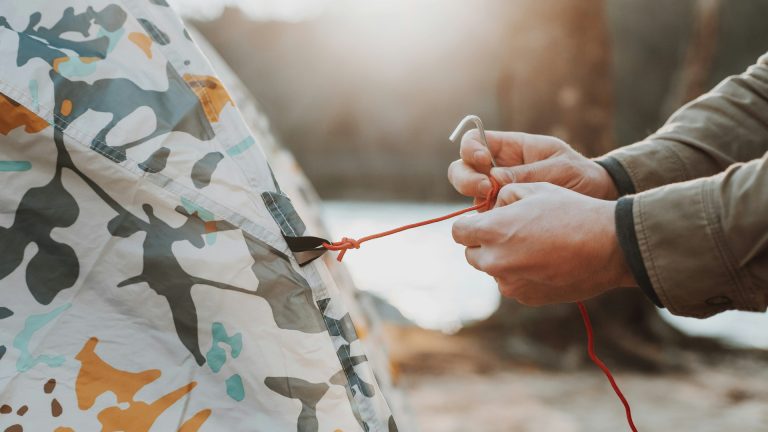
[(490, 197), (343, 246)]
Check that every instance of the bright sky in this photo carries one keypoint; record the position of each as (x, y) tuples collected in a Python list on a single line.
[(267, 10)]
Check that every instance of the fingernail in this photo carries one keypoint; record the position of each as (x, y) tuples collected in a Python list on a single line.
[(480, 157)]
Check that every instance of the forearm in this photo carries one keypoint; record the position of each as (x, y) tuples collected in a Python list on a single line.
[(701, 247), (726, 125)]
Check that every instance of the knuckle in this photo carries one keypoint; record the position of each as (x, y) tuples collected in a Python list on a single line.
[(486, 230), (505, 176), (481, 260), (494, 267), (507, 193), (471, 257), (527, 300), (529, 297), (567, 168), (508, 289), (557, 142), (526, 174), (521, 292), (551, 142)]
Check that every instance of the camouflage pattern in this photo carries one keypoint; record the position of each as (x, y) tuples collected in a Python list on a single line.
[(145, 285), (362, 310)]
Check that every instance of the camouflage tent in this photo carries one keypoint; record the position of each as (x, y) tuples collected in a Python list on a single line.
[(146, 280)]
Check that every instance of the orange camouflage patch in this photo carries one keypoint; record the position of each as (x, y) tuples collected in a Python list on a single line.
[(361, 330), (97, 377), (13, 115), (211, 93), (142, 41), (194, 423), (59, 60), (66, 107)]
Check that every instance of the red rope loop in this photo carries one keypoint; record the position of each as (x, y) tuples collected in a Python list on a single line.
[(342, 246), (347, 243)]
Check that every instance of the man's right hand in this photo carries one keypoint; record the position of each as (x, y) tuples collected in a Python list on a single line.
[(526, 158)]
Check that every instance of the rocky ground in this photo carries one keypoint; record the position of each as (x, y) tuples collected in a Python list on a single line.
[(452, 385)]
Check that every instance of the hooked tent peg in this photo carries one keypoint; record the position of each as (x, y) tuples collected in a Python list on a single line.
[(456, 135)]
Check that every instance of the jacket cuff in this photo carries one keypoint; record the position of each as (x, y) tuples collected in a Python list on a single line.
[(625, 231), (650, 164), (618, 174), (682, 244)]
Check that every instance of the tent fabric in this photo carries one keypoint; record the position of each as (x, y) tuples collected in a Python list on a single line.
[(144, 284)]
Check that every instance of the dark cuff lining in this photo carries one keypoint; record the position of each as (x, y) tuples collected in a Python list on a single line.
[(625, 231), (619, 175)]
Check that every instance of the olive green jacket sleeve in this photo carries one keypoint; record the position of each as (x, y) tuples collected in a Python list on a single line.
[(698, 225)]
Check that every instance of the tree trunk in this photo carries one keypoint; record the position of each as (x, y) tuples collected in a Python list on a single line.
[(556, 76), (697, 66)]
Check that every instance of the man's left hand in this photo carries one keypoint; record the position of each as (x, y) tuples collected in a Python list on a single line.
[(546, 244)]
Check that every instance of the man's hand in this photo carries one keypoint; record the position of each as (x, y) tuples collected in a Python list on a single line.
[(545, 244), (525, 158)]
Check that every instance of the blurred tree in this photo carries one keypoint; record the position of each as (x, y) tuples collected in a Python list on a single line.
[(699, 55)]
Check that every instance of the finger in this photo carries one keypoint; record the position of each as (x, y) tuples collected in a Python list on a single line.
[(514, 192), (507, 287), (520, 147), (486, 259), (476, 257), (525, 292), (508, 148), (510, 145), (464, 232), (498, 142), (549, 171), (470, 230), (467, 181), (474, 153)]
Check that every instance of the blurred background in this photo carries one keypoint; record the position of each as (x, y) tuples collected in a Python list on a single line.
[(365, 92)]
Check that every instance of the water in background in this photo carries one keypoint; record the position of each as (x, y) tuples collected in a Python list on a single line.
[(422, 272)]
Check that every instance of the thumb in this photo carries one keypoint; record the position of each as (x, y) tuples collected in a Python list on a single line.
[(514, 192), (540, 171)]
